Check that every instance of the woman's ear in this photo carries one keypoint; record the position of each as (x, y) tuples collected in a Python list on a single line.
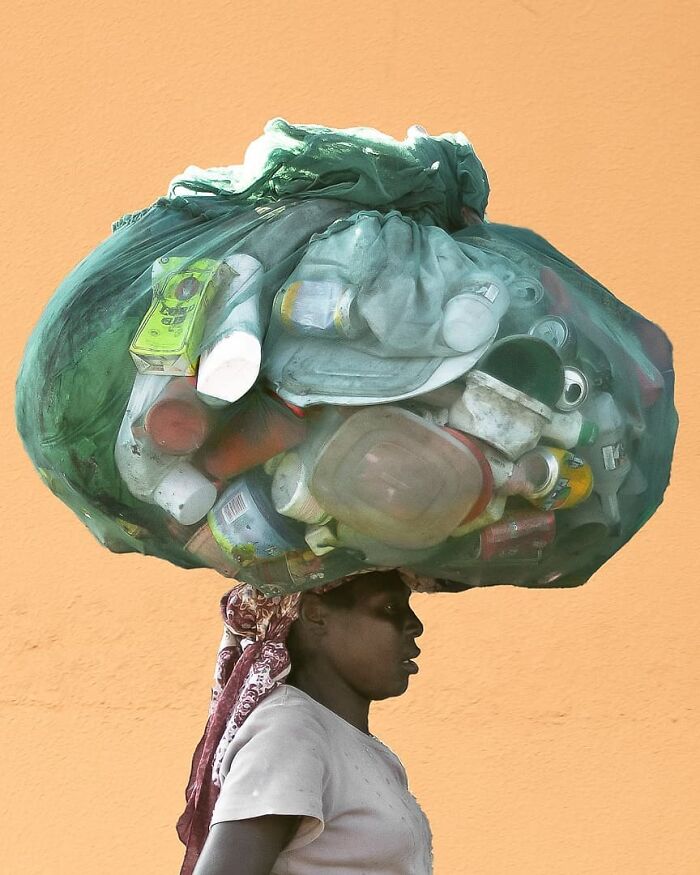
[(312, 611)]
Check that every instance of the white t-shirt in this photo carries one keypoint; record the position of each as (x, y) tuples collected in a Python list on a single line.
[(295, 756)]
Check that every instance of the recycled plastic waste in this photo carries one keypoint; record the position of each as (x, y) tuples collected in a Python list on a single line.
[(327, 359)]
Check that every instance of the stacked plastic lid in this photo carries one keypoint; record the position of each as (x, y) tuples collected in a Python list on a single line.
[(316, 388)]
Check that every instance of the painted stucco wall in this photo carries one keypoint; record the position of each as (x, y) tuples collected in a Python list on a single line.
[(548, 732)]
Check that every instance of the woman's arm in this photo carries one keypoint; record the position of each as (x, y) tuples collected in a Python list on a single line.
[(246, 847)]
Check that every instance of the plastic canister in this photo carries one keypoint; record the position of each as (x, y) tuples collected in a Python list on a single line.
[(247, 526), (262, 427), (290, 491), (499, 414), (178, 422), (319, 309), (395, 477), (151, 475), (230, 365), (471, 318)]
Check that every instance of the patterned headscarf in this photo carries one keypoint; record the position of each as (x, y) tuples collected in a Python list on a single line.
[(252, 661)]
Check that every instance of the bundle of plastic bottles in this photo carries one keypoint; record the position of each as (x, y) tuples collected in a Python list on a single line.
[(326, 359)]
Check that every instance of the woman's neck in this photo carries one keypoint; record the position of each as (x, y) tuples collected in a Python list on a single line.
[(334, 694)]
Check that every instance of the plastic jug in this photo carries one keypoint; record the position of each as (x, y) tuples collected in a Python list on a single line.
[(391, 475), (151, 475)]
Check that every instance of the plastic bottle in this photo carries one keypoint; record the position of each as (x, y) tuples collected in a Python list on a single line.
[(151, 475), (290, 491), (319, 309), (178, 422), (570, 430), (229, 366), (607, 456), (261, 428), (471, 318)]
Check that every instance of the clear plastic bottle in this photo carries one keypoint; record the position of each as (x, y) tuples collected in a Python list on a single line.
[(608, 455)]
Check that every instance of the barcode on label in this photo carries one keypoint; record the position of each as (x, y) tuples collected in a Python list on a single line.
[(234, 508)]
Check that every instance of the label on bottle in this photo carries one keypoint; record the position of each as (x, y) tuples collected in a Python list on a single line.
[(234, 508), (613, 456)]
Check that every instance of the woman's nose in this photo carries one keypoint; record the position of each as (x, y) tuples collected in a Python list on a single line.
[(414, 626)]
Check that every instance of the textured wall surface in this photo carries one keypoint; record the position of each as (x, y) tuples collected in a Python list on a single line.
[(547, 732)]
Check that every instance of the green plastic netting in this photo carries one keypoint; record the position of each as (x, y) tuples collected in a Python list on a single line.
[(342, 364)]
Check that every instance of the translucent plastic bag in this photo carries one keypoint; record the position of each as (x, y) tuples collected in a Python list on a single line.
[(324, 361)]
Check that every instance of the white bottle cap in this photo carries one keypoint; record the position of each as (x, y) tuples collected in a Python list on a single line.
[(185, 493), (290, 492), (229, 369), (468, 322)]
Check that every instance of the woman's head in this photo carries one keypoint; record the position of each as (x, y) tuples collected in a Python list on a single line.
[(362, 633)]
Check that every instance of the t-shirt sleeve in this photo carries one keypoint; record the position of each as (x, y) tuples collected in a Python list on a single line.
[(279, 766)]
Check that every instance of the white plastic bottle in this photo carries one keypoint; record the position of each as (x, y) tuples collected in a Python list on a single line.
[(570, 430), (229, 366), (471, 318), (151, 475)]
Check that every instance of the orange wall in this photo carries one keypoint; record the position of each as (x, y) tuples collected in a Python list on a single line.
[(547, 732)]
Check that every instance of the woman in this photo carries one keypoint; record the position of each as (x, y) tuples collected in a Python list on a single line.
[(304, 786)]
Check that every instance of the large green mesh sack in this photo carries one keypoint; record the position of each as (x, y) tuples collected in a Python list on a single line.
[(391, 380)]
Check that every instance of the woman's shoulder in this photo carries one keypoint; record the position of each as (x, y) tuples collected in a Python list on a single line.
[(287, 709)]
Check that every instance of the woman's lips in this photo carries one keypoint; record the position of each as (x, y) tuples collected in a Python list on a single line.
[(410, 666)]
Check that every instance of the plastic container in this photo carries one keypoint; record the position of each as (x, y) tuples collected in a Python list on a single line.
[(528, 364), (403, 481), (151, 475), (230, 365), (471, 318), (167, 341), (608, 455), (178, 422), (246, 525), (570, 430), (290, 491), (493, 512), (261, 427), (499, 414), (319, 309)]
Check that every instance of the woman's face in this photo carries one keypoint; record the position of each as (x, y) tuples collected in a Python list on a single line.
[(370, 644)]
